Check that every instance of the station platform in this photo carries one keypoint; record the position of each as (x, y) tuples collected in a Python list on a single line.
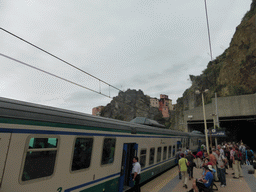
[(170, 182)]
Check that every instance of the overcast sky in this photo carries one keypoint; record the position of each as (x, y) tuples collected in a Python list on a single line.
[(152, 45)]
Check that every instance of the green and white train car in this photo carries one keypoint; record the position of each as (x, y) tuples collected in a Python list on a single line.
[(50, 149)]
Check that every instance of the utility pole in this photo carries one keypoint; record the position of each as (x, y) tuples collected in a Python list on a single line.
[(217, 116)]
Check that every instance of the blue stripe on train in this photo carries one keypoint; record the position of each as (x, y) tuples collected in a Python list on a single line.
[(110, 176)]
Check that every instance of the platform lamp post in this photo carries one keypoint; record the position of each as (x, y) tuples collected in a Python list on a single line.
[(205, 124)]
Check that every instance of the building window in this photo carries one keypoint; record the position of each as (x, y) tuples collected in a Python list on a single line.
[(108, 152), (159, 153), (82, 153), (143, 155), (151, 156), (40, 158)]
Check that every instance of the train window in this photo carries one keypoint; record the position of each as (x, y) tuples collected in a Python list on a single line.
[(108, 152), (173, 151), (82, 153), (36, 143), (40, 158), (143, 154), (170, 152), (152, 156), (165, 153), (159, 153)]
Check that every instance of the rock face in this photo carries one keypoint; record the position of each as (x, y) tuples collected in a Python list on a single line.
[(129, 105), (232, 73)]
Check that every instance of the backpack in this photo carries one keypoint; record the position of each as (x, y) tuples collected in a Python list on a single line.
[(249, 153), (237, 156)]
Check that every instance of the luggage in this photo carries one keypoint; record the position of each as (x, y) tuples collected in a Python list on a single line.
[(251, 170)]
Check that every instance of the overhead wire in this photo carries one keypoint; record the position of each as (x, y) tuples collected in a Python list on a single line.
[(28, 65), (51, 74), (100, 80), (67, 64)]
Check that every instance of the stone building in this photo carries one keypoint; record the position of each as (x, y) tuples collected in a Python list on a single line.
[(164, 104), (96, 110), (154, 102)]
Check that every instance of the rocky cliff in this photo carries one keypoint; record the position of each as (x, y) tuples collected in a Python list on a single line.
[(232, 73), (130, 104)]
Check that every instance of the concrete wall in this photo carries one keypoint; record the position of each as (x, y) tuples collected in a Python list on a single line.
[(242, 105)]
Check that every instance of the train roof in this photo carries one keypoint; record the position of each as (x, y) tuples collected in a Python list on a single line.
[(14, 109), (146, 121)]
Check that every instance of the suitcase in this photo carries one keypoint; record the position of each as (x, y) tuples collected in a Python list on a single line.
[(251, 170)]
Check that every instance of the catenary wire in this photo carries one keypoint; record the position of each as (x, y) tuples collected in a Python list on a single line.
[(58, 58), (28, 65), (67, 64)]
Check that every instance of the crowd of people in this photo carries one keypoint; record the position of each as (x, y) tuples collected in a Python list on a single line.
[(214, 165)]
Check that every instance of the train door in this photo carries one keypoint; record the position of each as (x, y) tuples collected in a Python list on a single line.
[(129, 151), (179, 145), (5, 139)]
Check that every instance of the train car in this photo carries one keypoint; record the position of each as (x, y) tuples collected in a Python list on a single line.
[(196, 139), (50, 149)]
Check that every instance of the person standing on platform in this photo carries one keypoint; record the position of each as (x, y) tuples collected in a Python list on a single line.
[(243, 151), (213, 159), (237, 165), (186, 152), (178, 157), (190, 159), (199, 157), (221, 162), (249, 155), (183, 168), (221, 150), (136, 174), (232, 150)]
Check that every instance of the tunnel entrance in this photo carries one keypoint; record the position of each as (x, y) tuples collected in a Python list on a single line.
[(236, 128)]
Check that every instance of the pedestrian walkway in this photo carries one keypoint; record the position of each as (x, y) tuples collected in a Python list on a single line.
[(170, 182)]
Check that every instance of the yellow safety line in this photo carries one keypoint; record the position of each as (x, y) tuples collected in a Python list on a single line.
[(165, 181)]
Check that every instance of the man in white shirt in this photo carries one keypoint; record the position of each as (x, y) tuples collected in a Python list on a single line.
[(221, 150), (136, 174)]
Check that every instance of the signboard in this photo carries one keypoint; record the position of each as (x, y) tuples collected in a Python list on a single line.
[(217, 133)]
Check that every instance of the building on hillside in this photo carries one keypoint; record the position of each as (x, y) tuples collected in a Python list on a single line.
[(174, 107), (96, 110), (164, 104), (154, 102)]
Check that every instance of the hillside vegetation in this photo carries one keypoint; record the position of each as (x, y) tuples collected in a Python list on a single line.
[(232, 73)]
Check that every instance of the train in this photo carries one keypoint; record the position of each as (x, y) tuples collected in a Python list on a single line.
[(57, 150)]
